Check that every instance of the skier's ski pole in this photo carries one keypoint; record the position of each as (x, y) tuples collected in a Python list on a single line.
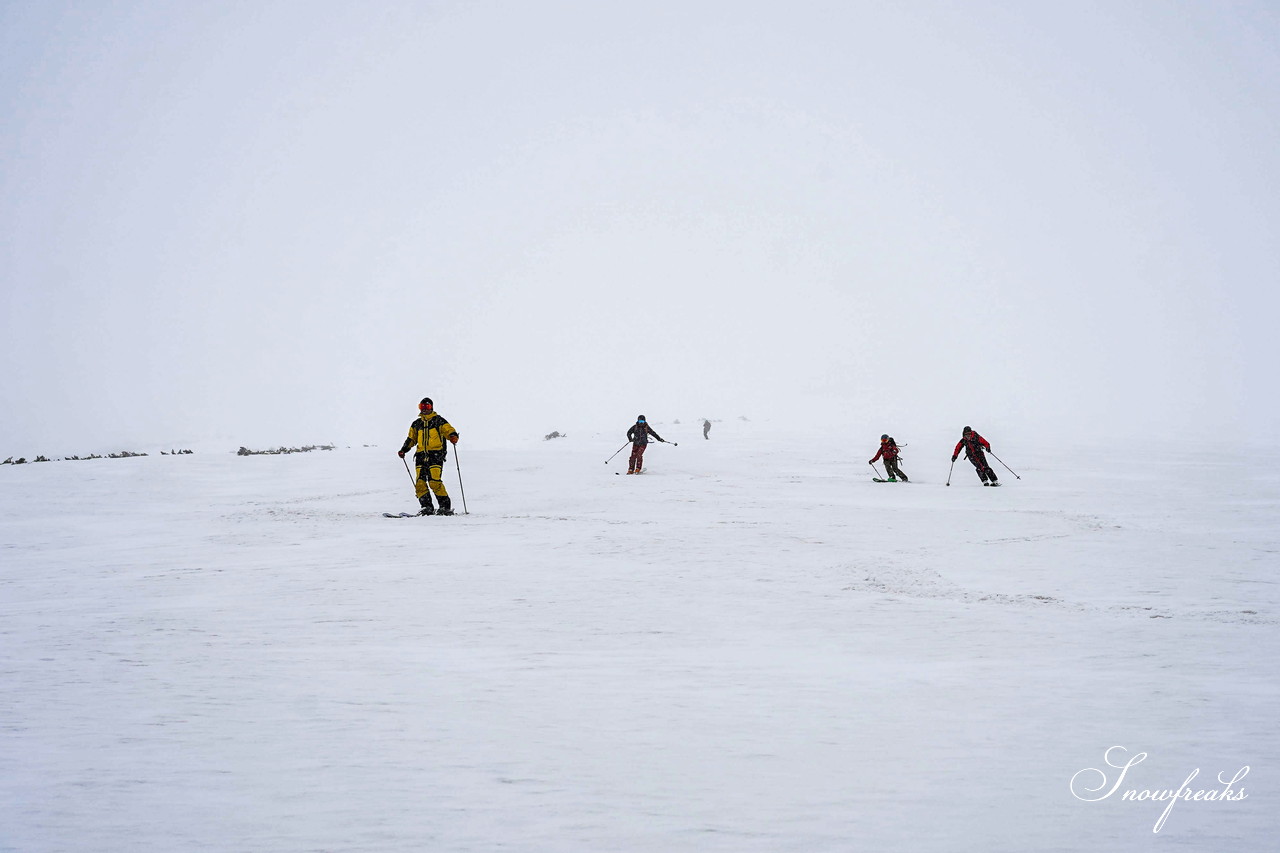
[(1007, 468), (461, 489), (615, 453), (874, 468), (410, 473), (949, 470)]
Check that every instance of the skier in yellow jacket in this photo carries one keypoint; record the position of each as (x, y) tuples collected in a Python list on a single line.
[(429, 432)]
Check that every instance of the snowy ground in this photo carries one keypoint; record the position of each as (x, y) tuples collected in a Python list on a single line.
[(752, 647)]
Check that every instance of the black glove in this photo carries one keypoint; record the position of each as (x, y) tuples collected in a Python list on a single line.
[(953, 458), (400, 454)]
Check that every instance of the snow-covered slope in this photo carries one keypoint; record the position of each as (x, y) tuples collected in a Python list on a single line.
[(750, 647)]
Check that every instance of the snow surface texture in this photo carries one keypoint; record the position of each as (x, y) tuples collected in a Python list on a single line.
[(752, 647)]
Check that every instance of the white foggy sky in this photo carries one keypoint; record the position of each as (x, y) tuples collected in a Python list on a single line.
[(278, 222)]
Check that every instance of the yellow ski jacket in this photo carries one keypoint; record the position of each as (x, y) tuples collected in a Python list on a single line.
[(429, 433)]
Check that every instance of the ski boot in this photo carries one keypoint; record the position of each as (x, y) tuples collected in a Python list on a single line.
[(425, 503), (446, 505)]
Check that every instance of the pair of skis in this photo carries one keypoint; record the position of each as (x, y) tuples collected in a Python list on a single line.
[(878, 480), (407, 514)]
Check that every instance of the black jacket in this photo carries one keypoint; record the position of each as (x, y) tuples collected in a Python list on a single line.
[(639, 433)]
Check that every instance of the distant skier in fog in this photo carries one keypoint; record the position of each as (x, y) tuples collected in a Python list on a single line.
[(638, 435), (974, 450), (889, 452), (706, 428)]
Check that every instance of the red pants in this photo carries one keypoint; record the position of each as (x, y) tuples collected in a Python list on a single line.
[(637, 457)]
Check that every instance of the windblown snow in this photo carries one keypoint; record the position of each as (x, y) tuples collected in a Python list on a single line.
[(751, 647)]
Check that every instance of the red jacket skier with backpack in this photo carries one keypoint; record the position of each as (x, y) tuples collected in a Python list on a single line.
[(889, 452)]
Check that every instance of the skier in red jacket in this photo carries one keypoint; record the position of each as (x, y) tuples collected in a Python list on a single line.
[(974, 450), (889, 451)]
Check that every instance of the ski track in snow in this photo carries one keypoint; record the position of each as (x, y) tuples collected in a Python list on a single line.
[(749, 647)]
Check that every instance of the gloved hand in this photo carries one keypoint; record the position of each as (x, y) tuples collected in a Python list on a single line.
[(453, 437), (400, 454), (953, 458), (871, 461)]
